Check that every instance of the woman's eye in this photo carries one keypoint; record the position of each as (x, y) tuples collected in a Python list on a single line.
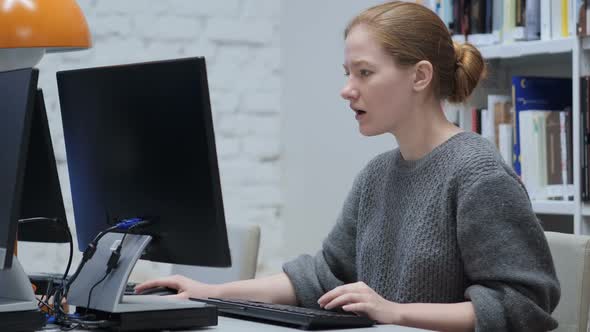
[(365, 73)]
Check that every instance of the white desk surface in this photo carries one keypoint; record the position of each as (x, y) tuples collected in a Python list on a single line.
[(226, 324), (232, 324)]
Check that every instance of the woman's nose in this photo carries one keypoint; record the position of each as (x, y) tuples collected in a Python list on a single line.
[(349, 92)]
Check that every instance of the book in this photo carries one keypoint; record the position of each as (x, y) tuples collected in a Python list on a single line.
[(536, 94), (533, 153), (584, 129), (499, 106), (556, 19), (476, 120), (532, 29), (581, 22), (554, 155), (565, 135), (477, 16), (559, 155), (528, 25), (497, 19), (509, 21), (505, 142), (446, 13), (545, 23)]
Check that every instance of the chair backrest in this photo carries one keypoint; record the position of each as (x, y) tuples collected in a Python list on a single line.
[(244, 241), (571, 256)]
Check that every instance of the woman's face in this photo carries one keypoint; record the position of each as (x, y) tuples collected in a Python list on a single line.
[(379, 91)]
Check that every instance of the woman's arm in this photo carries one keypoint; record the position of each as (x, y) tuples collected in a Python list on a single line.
[(512, 281), (275, 289), (437, 316)]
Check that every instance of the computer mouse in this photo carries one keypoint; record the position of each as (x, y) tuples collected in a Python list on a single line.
[(162, 291)]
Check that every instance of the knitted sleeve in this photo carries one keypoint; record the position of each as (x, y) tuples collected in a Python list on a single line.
[(335, 263), (506, 257)]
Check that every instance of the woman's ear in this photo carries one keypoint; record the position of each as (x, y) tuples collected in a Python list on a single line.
[(422, 75)]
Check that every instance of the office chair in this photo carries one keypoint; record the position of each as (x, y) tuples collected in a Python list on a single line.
[(571, 256), (244, 241)]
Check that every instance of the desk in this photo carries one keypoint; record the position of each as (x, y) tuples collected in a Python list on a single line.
[(231, 324)]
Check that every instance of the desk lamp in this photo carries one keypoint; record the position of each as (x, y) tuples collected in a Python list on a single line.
[(30, 28)]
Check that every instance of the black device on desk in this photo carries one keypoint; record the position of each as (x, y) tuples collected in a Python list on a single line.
[(140, 144), (161, 291), (304, 318), (18, 89)]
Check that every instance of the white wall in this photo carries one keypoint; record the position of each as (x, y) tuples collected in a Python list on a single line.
[(240, 40), (323, 150)]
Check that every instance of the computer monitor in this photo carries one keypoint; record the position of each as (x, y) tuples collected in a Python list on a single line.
[(17, 99), (18, 308), (140, 144), (41, 191)]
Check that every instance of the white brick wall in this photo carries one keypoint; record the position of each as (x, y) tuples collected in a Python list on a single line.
[(240, 40)]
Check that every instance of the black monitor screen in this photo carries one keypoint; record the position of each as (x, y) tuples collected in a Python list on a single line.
[(41, 191), (17, 95), (140, 143)]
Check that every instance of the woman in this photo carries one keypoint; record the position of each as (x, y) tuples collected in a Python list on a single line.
[(438, 233)]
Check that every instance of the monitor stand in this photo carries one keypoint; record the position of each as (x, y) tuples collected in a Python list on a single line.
[(18, 305), (108, 299)]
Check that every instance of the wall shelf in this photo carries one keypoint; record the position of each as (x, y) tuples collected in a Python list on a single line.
[(565, 57), (528, 48), (554, 207), (586, 209)]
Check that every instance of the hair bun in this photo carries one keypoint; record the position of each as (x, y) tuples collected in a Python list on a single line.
[(469, 69)]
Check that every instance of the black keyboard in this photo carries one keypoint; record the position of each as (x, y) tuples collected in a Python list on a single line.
[(304, 318)]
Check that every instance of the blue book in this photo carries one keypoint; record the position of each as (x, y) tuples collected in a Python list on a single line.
[(537, 94)]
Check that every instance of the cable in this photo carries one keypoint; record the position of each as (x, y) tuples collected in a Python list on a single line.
[(61, 292), (87, 255), (63, 328), (66, 228), (92, 290), (50, 289), (69, 234), (43, 303), (87, 324), (111, 265), (35, 219)]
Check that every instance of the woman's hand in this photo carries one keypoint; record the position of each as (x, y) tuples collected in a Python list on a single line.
[(361, 299), (186, 287)]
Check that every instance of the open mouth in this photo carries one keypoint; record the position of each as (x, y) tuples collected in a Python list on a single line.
[(359, 112)]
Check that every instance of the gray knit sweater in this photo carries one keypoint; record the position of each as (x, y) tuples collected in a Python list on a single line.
[(456, 225)]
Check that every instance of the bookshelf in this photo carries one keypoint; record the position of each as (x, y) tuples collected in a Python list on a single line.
[(528, 48), (565, 57), (541, 42), (555, 207)]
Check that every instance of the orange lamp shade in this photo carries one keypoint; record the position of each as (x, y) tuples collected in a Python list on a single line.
[(49, 24)]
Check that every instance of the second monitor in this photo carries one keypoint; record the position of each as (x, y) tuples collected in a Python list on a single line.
[(140, 144)]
